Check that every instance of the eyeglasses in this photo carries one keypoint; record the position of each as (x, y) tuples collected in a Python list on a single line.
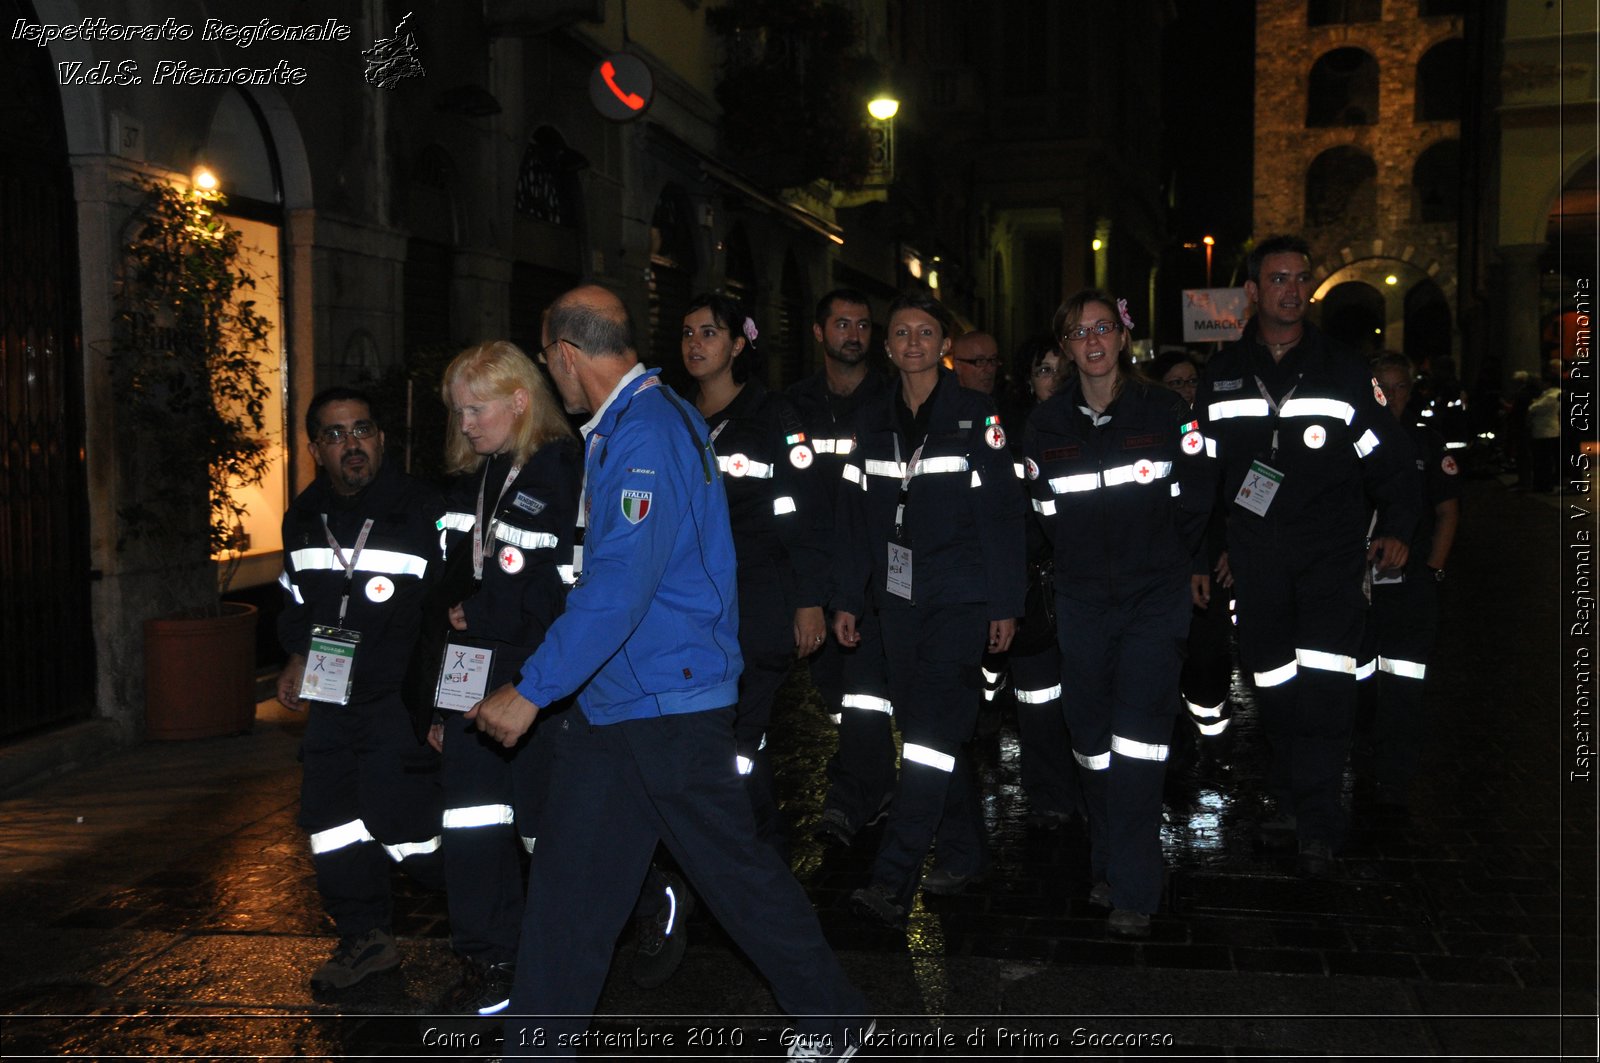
[(1099, 328), (335, 434), (544, 352), (991, 362), (1045, 370), (1184, 383)]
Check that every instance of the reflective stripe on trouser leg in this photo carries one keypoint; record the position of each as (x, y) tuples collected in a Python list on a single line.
[(862, 770), (1404, 623), (345, 834), (1208, 719)]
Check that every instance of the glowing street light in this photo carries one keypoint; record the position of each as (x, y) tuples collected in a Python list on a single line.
[(1210, 243), (883, 107), (205, 180)]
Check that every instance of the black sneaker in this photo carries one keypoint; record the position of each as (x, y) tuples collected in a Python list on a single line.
[(945, 883), (876, 902), (664, 936), (485, 990), (835, 828), (354, 958)]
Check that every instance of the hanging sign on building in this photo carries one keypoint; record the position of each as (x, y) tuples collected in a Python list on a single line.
[(621, 87), (1214, 314)]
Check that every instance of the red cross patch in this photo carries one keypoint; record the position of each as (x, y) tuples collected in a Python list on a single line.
[(1193, 442), (738, 465), (1144, 472), (1449, 466), (800, 456), (1377, 393), (511, 560), (995, 436), (1033, 470), (1315, 436), (380, 588)]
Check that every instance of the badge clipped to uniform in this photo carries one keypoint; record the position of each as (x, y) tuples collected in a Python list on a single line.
[(1261, 483), (463, 676), (330, 661), (900, 571)]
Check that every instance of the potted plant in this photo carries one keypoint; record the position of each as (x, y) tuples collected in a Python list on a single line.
[(187, 363)]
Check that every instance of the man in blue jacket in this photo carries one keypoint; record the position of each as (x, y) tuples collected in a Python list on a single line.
[(649, 640)]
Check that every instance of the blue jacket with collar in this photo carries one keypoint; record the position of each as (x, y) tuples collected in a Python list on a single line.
[(652, 626), (964, 508)]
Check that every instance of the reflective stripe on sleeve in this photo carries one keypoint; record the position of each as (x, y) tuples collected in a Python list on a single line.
[(782, 506), (1176, 490), (1047, 507), (1408, 669), (977, 481), (868, 702), (1367, 443), (478, 816), (852, 473), (931, 757), (743, 765), (352, 833), (1221, 411), (287, 584), (1211, 447), (1017, 468), (1138, 750), (527, 843), (1318, 408), (1038, 697), (1095, 762), (401, 850)]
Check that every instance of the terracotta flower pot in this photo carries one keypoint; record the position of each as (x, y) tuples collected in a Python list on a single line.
[(199, 674)]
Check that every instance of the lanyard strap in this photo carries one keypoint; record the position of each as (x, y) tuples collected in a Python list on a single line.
[(349, 564), (1276, 407), (905, 486), (479, 532)]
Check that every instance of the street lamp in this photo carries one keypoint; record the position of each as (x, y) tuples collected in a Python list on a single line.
[(1210, 243), (883, 107)]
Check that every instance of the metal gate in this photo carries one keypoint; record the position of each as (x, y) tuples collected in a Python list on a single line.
[(46, 647)]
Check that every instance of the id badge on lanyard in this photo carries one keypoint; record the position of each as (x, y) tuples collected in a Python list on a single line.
[(463, 677), (480, 533), (898, 581), (331, 657), (1261, 483)]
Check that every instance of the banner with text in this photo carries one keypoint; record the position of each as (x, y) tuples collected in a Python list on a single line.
[(1214, 313)]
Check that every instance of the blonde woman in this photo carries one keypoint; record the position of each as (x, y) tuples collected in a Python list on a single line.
[(512, 511)]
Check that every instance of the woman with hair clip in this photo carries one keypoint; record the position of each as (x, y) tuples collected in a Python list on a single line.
[(511, 519), (779, 518), (1109, 466), (930, 527)]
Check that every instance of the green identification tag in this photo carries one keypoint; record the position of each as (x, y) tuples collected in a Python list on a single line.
[(330, 661)]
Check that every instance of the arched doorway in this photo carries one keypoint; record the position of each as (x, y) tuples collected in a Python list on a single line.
[(44, 549), (1353, 313)]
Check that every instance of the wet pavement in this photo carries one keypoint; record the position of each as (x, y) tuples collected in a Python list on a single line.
[(161, 903)]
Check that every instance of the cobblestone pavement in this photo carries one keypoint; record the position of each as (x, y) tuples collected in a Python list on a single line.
[(160, 902)]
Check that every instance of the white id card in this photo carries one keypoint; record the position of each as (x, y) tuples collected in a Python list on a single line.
[(1260, 484), (329, 663), (463, 678), (1385, 576), (900, 571)]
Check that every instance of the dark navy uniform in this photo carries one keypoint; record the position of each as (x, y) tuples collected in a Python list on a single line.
[(370, 786), (853, 682), (946, 490), (777, 505), (1402, 625), (1314, 418), (1208, 663), (492, 794), (1121, 503)]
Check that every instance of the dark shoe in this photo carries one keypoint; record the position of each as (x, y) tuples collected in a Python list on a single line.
[(664, 936), (835, 828), (1316, 860), (946, 883), (877, 903), (1100, 895), (354, 958), (486, 989), (1277, 832), (1128, 924), (842, 1043)]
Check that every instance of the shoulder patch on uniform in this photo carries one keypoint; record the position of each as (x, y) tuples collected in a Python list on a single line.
[(1448, 466), (1033, 470), (1377, 393), (994, 435), (1227, 385), (635, 505), (963, 425), (528, 504), (800, 455)]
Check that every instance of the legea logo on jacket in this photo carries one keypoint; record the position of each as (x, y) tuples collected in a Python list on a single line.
[(635, 505)]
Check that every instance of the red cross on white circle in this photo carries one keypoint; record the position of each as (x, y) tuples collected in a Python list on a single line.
[(379, 589), (1144, 472), (507, 557), (738, 465), (1192, 442), (996, 436), (1315, 436)]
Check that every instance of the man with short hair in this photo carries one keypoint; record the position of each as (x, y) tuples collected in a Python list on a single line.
[(358, 544), (649, 641), (853, 682), (976, 359), (1299, 438)]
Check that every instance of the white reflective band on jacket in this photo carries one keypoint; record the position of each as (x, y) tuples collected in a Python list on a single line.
[(1206, 712), (568, 574), (1176, 490), (1083, 481), (931, 757), (853, 474), (528, 540), (1039, 697), (1221, 411), (1211, 447), (744, 765), (1409, 669), (1017, 468), (401, 850), (527, 843), (454, 521), (924, 467), (759, 469), (288, 585), (1276, 676), (977, 481), (1318, 408), (782, 506), (1112, 477), (478, 816), (1365, 669), (836, 718), (389, 562), (1094, 762), (1138, 750), (868, 702), (352, 833), (1047, 507), (833, 446), (1325, 662), (1367, 443)]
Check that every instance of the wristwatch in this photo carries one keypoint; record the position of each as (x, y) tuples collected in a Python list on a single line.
[(1438, 574)]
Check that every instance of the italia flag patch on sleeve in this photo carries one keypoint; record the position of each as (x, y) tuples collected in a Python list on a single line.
[(993, 434), (635, 505)]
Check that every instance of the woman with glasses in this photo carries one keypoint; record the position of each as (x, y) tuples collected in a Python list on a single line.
[(774, 507), (508, 535), (930, 531), (1109, 462)]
